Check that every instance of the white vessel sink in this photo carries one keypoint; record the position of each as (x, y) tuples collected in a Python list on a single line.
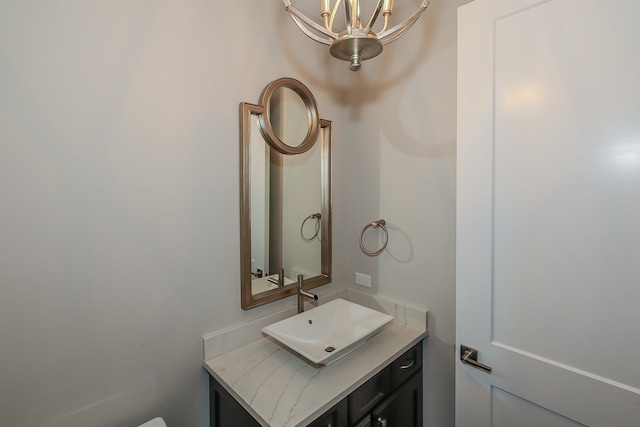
[(328, 332)]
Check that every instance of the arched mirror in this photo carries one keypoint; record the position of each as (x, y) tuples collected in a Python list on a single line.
[(285, 212)]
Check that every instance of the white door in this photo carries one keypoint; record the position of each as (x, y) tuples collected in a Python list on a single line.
[(548, 246)]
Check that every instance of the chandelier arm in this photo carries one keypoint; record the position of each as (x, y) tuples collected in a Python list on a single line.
[(399, 30), (374, 16), (333, 15), (395, 33), (310, 33), (386, 23), (301, 19), (347, 15)]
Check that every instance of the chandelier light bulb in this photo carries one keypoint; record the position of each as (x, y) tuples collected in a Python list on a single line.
[(358, 41)]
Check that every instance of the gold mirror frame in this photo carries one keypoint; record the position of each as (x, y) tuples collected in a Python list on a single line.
[(318, 130), (264, 119)]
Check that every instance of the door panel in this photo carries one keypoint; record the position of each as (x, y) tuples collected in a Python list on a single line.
[(548, 250), (509, 411), (574, 223)]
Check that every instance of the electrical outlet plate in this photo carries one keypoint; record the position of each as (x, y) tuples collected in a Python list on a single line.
[(363, 280)]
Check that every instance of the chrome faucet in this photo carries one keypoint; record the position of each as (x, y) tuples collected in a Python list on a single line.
[(302, 293)]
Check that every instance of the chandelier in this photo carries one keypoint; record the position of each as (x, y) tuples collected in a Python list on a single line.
[(357, 42)]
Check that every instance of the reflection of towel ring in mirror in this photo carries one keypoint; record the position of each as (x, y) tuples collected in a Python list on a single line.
[(315, 216), (375, 224)]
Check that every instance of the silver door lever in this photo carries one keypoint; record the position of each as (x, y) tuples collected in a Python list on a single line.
[(469, 356)]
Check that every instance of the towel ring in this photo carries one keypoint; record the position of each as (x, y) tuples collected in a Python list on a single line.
[(375, 224), (315, 216)]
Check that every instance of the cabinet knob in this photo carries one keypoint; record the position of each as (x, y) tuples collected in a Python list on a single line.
[(382, 421)]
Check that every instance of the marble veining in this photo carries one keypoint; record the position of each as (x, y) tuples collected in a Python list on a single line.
[(281, 389)]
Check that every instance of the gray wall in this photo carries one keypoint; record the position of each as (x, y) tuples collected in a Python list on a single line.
[(119, 197), (401, 157)]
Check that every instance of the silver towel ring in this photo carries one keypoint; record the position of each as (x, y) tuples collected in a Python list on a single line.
[(315, 216), (375, 224)]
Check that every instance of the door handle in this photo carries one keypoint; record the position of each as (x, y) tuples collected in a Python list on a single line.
[(469, 356)]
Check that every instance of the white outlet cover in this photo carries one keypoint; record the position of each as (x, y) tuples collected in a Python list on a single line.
[(363, 280)]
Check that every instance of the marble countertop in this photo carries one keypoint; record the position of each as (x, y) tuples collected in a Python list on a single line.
[(281, 389)]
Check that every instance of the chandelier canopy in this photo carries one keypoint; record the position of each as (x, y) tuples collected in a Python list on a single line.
[(358, 41)]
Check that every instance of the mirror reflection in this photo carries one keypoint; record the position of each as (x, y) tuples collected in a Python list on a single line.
[(283, 238), (285, 227)]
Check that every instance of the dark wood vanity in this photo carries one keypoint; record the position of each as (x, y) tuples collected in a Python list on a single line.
[(391, 398)]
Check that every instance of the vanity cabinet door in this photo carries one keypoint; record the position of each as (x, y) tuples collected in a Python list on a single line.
[(225, 411), (403, 408), (368, 395), (334, 417)]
